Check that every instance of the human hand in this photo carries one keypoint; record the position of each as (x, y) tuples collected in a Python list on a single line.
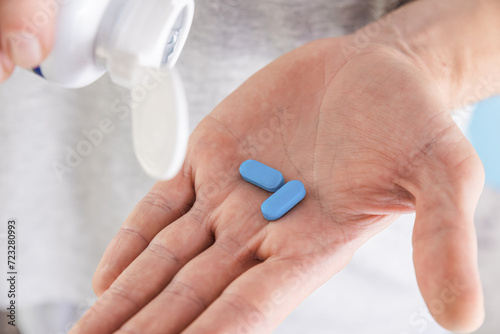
[(370, 138), (26, 32)]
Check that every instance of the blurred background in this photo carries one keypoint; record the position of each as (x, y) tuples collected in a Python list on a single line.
[(484, 133)]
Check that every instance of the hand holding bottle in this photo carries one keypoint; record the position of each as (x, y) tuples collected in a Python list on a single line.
[(91, 39)]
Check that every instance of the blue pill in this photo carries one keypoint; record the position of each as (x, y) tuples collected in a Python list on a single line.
[(283, 200), (261, 175)]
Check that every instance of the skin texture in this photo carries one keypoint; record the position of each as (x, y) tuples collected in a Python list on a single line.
[(368, 133), (370, 139)]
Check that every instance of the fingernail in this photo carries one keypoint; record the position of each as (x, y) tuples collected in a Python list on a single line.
[(24, 49)]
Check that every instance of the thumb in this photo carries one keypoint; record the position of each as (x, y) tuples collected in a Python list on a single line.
[(445, 246), (26, 32)]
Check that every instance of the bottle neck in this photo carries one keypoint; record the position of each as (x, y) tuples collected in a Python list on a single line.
[(138, 34)]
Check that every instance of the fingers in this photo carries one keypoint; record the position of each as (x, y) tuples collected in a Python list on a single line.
[(167, 253), (445, 249), (165, 203), (193, 289), (26, 32), (237, 237), (259, 299)]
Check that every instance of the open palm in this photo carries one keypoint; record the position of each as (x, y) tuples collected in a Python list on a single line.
[(369, 137)]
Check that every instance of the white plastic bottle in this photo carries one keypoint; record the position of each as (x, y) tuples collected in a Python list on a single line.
[(123, 38)]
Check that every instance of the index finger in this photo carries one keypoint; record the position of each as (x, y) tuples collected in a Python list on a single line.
[(165, 203)]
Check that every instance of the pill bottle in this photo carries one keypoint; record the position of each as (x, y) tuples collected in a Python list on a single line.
[(123, 38)]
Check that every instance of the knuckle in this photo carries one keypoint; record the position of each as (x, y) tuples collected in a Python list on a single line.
[(157, 201), (186, 292), (118, 293), (164, 253), (129, 232)]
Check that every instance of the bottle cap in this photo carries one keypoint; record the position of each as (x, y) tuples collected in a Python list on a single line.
[(160, 124)]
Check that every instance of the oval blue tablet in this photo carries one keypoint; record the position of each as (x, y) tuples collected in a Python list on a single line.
[(261, 175), (283, 200)]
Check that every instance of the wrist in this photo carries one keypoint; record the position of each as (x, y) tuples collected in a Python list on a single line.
[(456, 42)]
